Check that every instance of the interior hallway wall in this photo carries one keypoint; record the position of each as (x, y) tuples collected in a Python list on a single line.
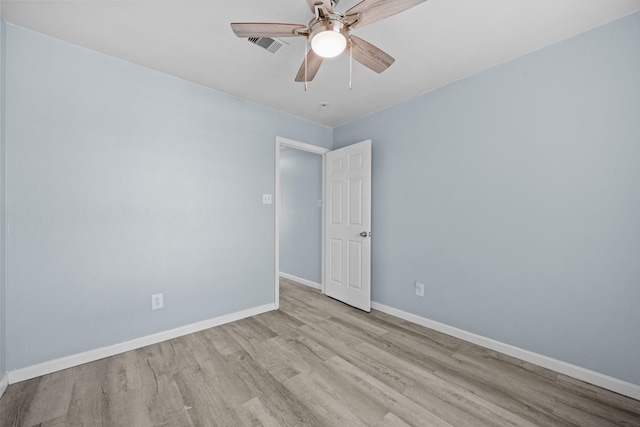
[(301, 214)]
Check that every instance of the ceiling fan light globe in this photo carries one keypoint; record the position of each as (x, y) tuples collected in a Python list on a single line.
[(329, 44)]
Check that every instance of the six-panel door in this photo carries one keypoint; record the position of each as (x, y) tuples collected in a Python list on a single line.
[(348, 225)]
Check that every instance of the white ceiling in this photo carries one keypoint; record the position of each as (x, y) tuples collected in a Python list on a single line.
[(435, 43)]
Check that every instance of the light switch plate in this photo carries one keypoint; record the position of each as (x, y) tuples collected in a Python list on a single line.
[(267, 199)]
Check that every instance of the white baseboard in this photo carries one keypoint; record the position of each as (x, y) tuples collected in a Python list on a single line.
[(301, 280), (4, 382), (44, 368), (583, 374)]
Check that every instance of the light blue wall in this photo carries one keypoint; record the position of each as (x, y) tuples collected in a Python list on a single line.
[(3, 299), (300, 215), (514, 195), (123, 182)]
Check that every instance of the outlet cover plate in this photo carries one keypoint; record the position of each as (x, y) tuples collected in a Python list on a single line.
[(157, 301), (419, 288)]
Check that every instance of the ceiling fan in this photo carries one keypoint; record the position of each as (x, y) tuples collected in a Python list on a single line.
[(328, 33)]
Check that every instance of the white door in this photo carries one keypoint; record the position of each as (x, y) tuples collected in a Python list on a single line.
[(348, 225)]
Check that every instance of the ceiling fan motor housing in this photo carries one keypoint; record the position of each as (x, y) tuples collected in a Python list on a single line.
[(328, 36)]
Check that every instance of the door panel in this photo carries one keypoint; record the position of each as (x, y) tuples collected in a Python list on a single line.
[(348, 266), (335, 261), (355, 262), (336, 202), (355, 201)]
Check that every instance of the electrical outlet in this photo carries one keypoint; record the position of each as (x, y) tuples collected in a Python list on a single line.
[(267, 199), (419, 288), (157, 301)]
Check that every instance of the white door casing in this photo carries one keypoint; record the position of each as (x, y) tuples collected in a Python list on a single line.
[(348, 225)]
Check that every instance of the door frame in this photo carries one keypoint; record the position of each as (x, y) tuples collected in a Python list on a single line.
[(290, 143)]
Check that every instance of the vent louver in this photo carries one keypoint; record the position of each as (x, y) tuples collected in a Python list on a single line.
[(267, 43)]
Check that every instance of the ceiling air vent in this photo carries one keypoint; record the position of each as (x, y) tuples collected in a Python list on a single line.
[(272, 45)]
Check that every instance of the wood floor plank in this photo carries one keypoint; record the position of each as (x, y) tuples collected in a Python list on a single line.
[(329, 327), (428, 387), (533, 388), (52, 398), (384, 396), (515, 365), (596, 410), (305, 345), (543, 386), (282, 405), (581, 418), (280, 358), (87, 395), (390, 420), (164, 405), (169, 356), (339, 395), (361, 322), (125, 391), (56, 422), (221, 374), (222, 341), (316, 362), (613, 403), (202, 401), (279, 322), (331, 344), (253, 413), (334, 407), (460, 407), (334, 346), (248, 333), (384, 372), (493, 392), (345, 394), (433, 336), (169, 409), (303, 315), (16, 401), (428, 354)]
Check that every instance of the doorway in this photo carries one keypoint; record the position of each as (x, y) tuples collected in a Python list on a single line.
[(302, 150)]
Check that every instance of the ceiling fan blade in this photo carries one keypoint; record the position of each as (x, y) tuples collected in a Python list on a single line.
[(313, 63), (369, 55), (326, 3), (265, 29), (370, 11)]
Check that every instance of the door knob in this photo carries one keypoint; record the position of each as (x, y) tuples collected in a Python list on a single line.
[(365, 234)]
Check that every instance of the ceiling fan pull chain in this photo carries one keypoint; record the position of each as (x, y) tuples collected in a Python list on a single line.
[(350, 64)]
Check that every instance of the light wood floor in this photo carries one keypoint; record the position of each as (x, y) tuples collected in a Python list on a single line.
[(313, 362)]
